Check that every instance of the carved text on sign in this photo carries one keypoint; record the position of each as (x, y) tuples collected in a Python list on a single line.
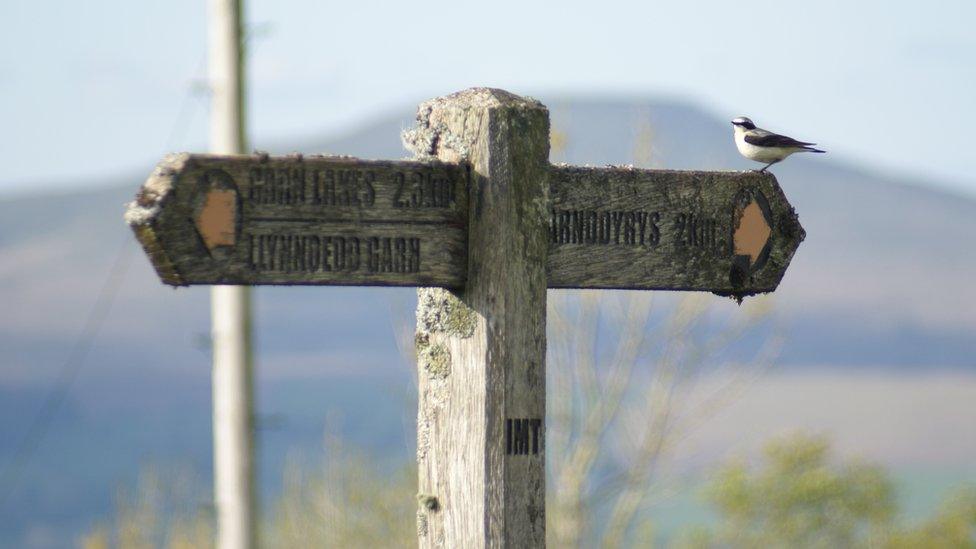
[(347, 187), (621, 227), (522, 436), (322, 253), (627, 227), (305, 220)]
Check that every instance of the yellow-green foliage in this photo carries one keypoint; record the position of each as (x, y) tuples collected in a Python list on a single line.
[(954, 526), (348, 503), (168, 509), (801, 498), (798, 497)]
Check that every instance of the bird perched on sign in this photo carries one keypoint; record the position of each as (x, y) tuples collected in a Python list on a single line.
[(765, 146)]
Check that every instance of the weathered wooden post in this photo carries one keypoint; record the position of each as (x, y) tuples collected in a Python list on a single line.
[(482, 350), (483, 224)]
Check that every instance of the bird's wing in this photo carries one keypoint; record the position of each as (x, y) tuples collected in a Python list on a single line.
[(763, 138)]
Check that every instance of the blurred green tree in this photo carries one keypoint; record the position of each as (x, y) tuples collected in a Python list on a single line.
[(800, 498), (953, 526)]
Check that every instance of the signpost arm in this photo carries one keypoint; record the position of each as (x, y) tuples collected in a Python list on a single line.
[(234, 490), (481, 350)]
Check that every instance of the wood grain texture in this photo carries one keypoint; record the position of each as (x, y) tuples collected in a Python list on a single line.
[(344, 221), (668, 230), (304, 220), (481, 351)]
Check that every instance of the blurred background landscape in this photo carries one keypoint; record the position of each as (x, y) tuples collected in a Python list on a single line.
[(868, 343)]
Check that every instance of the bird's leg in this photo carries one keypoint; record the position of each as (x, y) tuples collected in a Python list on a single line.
[(763, 170)]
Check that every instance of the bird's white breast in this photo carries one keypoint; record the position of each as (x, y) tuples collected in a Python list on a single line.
[(761, 154)]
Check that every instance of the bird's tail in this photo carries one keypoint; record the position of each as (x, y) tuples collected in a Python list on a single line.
[(808, 148)]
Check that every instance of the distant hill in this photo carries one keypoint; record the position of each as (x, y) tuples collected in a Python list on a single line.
[(883, 281), (879, 281)]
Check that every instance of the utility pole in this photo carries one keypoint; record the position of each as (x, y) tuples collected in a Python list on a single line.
[(233, 405)]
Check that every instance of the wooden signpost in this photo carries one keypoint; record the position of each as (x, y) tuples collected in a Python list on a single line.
[(483, 224), (304, 220)]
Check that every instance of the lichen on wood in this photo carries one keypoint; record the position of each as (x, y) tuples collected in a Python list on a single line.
[(441, 311), (435, 360)]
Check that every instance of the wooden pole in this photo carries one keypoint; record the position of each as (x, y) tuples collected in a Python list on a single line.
[(481, 351), (233, 407)]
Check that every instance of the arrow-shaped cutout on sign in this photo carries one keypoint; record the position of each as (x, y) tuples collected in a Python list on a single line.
[(753, 226), (217, 210)]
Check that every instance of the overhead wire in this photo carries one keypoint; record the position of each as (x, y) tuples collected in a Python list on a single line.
[(68, 373), (91, 328)]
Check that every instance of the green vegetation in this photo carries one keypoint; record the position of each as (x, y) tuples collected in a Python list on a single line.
[(799, 497), (167, 508), (345, 503)]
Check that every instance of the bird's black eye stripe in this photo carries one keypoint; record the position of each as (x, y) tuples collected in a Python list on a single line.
[(745, 123)]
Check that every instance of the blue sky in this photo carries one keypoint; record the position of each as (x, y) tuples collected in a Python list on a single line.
[(96, 89)]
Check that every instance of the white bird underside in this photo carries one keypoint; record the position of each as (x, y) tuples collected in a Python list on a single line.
[(763, 154)]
